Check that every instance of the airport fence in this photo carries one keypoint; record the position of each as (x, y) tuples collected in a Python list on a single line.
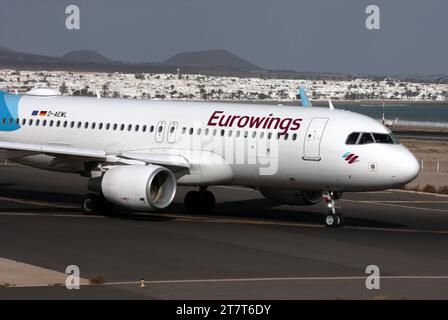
[(421, 124), (434, 166)]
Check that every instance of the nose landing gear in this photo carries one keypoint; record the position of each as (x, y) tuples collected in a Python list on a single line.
[(333, 218)]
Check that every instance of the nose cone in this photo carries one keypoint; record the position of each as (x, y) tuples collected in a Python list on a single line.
[(404, 167)]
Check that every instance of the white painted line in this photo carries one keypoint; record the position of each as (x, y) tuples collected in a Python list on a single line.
[(436, 211), (421, 192), (234, 280)]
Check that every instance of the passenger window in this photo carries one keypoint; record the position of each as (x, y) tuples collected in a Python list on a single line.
[(58, 123), (206, 131), (23, 122), (93, 125), (199, 130), (137, 127), (229, 133), (108, 126), (17, 121), (37, 122), (269, 135), (223, 132), (366, 138), (100, 126), (79, 124), (144, 128), (115, 126), (30, 122), (294, 137), (184, 130), (44, 123), (151, 129), (262, 135), (10, 120), (286, 136), (86, 125), (72, 124), (130, 127), (254, 134), (352, 138), (191, 131), (65, 124), (246, 134), (122, 127), (238, 134)]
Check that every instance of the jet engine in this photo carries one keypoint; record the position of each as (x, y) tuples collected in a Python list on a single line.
[(292, 196), (139, 187)]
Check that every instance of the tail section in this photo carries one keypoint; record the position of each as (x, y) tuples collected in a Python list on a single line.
[(303, 97)]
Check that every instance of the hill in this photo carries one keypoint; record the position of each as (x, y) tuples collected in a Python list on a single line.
[(85, 56), (221, 59)]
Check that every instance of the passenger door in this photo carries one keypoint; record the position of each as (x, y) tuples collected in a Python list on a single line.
[(313, 137), (172, 128), (160, 130)]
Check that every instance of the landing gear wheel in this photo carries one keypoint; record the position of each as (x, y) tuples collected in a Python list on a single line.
[(209, 201), (93, 204), (192, 200), (332, 220), (90, 204), (199, 201)]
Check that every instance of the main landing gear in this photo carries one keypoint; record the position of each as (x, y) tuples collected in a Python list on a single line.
[(333, 218), (93, 204), (200, 201)]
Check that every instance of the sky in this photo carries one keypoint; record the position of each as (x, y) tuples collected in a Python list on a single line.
[(302, 35)]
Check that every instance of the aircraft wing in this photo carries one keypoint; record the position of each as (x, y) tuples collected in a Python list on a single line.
[(172, 161), (53, 149)]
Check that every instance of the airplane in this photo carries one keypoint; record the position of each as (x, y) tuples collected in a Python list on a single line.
[(136, 152)]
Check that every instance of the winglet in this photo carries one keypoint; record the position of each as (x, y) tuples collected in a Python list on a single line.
[(330, 105), (303, 97)]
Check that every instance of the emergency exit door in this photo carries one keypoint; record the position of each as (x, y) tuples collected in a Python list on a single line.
[(313, 138)]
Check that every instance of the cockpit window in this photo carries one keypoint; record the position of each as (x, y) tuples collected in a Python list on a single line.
[(366, 138), (352, 138), (383, 138)]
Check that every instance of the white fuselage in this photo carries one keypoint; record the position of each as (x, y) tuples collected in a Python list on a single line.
[(223, 148)]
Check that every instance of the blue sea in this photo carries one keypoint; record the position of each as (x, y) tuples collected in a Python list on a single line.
[(413, 112)]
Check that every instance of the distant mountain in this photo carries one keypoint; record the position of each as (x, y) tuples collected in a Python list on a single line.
[(216, 59), (85, 56), (6, 50)]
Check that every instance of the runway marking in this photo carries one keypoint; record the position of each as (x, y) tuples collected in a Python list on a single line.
[(441, 195), (37, 203), (16, 273), (437, 211), (55, 215), (236, 280), (293, 224), (185, 218)]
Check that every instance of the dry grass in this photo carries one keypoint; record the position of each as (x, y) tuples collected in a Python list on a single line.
[(97, 280), (429, 188)]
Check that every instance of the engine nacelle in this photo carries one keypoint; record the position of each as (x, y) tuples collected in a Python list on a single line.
[(139, 187), (292, 196)]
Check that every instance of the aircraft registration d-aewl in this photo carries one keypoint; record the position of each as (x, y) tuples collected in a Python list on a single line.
[(136, 152)]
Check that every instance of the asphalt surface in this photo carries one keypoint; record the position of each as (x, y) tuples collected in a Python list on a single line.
[(250, 248)]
